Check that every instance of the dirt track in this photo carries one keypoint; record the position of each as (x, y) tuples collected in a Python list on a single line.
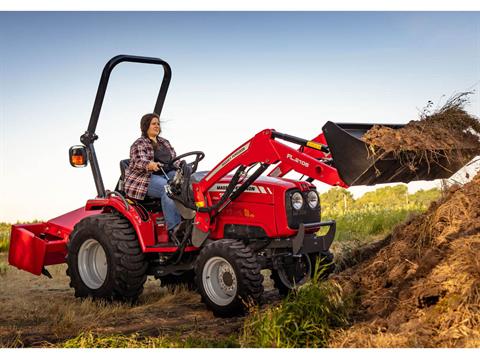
[(35, 310)]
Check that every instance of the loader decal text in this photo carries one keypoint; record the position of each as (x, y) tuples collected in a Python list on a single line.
[(228, 160), (297, 160), (252, 189)]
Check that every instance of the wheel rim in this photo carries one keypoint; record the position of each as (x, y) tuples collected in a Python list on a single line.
[(219, 281), (299, 277), (92, 263)]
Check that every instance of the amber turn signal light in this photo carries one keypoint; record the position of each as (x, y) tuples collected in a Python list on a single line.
[(78, 156)]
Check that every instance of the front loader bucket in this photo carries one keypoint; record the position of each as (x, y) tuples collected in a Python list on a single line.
[(357, 165)]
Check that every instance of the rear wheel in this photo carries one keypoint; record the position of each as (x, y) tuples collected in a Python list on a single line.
[(105, 259), (228, 277)]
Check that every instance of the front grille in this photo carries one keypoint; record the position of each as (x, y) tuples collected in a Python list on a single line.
[(304, 215)]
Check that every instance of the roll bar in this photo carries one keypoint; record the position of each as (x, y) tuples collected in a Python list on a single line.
[(89, 136)]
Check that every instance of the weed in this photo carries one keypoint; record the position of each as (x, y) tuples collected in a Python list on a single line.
[(303, 319)]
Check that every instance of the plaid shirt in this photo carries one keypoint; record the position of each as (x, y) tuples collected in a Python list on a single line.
[(137, 177)]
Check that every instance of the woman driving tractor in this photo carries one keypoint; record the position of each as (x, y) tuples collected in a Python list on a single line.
[(147, 173)]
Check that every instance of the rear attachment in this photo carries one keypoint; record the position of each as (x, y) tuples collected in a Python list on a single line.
[(34, 246), (358, 163)]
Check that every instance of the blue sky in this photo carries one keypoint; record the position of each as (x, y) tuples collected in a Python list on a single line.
[(234, 74)]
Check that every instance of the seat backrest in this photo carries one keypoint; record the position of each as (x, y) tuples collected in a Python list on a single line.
[(150, 204), (121, 182), (123, 167)]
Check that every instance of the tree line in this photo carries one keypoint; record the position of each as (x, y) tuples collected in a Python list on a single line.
[(340, 200)]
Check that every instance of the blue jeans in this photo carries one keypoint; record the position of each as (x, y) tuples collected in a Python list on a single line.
[(156, 189)]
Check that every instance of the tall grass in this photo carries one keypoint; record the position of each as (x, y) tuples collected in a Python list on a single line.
[(357, 225), (5, 229), (375, 213), (4, 236), (304, 319), (92, 340), (307, 316)]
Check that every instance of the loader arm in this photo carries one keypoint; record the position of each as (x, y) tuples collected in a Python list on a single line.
[(263, 149), (338, 157), (359, 163), (283, 168)]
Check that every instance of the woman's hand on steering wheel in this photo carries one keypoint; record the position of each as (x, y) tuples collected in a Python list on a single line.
[(199, 155)]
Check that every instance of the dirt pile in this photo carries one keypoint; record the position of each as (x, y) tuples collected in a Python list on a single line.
[(448, 135), (422, 288)]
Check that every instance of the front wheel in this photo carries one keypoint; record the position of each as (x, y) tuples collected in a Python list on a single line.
[(105, 259), (228, 277), (294, 271)]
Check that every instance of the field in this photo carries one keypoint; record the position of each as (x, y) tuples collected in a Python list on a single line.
[(4, 236), (37, 311), (42, 312)]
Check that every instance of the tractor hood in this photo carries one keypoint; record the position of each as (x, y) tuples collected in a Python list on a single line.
[(262, 190)]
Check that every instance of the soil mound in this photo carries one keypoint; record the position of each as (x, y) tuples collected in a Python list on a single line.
[(449, 132), (422, 289)]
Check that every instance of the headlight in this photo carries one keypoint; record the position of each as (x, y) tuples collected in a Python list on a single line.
[(312, 199), (297, 200)]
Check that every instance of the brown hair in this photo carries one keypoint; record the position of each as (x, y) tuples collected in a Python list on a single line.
[(145, 122)]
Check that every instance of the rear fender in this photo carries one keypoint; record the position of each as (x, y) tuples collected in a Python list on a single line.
[(144, 228), (34, 246)]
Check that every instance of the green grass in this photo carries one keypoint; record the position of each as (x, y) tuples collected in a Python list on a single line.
[(357, 225), (3, 268), (5, 233), (304, 319), (4, 236), (307, 316), (92, 340)]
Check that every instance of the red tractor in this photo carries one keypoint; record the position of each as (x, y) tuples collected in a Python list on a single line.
[(235, 222)]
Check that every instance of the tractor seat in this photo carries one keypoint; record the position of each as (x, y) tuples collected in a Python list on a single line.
[(149, 203)]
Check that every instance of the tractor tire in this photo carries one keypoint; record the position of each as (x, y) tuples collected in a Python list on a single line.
[(228, 277), (285, 279), (105, 260), (184, 278)]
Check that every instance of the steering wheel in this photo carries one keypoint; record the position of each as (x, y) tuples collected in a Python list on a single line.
[(199, 155)]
